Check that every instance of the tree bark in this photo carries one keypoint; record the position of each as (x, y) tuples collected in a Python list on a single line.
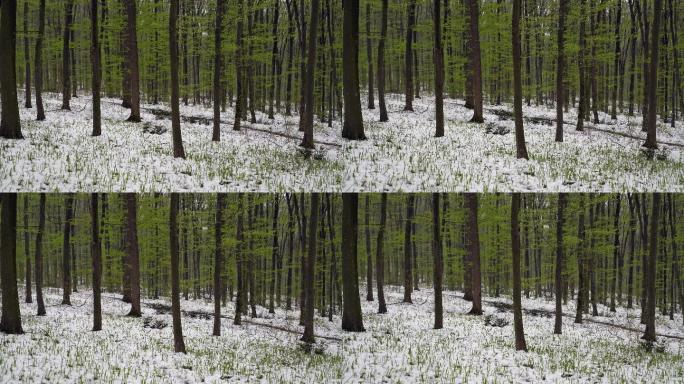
[(218, 261), (558, 282), (408, 274), (650, 332), (218, 68), (521, 148), (96, 69), (178, 343), (560, 69), (66, 62), (369, 253), (308, 114), (381, 62), (96, 247), (520, 344), (10, 322), (132, 251), (438, 56), (10, 123), (475, 64), (474, 253), (39, 257), (27, 254), (438, 267), (369, 54), (310, 269), (351, 316), (652, 133), (408, 56), (40, 109), (178, 151), (353, 120), (27, 58), (132, 60), (66, 250), (380, 256)]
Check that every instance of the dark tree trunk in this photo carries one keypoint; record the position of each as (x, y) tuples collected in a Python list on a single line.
[(66, 62), (96, 69), (132, 251), (351, 316), (27, 59), (178, 343), (438, 56), (132, 59), (27, 254), (650, 282), (11, 315), (408, 56), (39, 257), (475, 60), (632, 247), (274, 256), (274, 58), (581, 265), (651, 137), (308, 114), (520, 344), (353, 120), (290, 252), (218, 68), (408, 274), (40, 109), (10, 123), (310, 269), (438, 263), (369, 53), (474, 253), (560, 69), (558, 282), (239, 237), (616, 60), (369, 253), (583, 102), (380, 256), (521, 148), (66, 250), (239, 76), (178, 150), (96, 246), (381, 62), (617, 268), (218, 261)]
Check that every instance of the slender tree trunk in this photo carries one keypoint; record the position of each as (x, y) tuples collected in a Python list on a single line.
[(438, 267), (351, 316), (132, 60), (39, 63), (474, 253), (380, 256), (353, 120), (66, 250), (310, 269), (96, 70), (39, 257), (27, 254), (560, 70), (10, 322), (308, 114), (218, 69), (651, 137), (475, 60), (438, 56), (583, 102), (381, 62), (616, 62), (408, 274), (408, 56), (10, 123), (274, 255), (650, 332), (178, 150), (95, 245), (239, 237), (369, 54), (239, 67), (66, 62), (27, 58), (132, 250), (178, 343), (521, 148), (274, 58), (218, 262), (617, 268), (558, 283), (520, 344)]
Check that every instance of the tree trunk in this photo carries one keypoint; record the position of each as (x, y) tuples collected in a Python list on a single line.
[(274, 256), (651, 137), (10, 123), (380, 256), (218, 262), (351, 316), (650, 332), (66, 250), (27, 254), (381, 62), (66, 62), (39, 257), (520, 344), (96, 70), (583, 102), (132, 59), (521, 148), (178, 150), (95, 245), (308, 114), (274, 59), (369, 54), (239, 237), (27, 59), (616, 62), (408, 274), (40, 109), (132, 250), (310, 269), (617, 268), (408, 56), (558, 283), (560, 70), (438, 56), (369, 253), (475, 60), (353, 120), (239, 93), (438, 267), (218, 68), (178, 343), (10, 322), (474, 253)]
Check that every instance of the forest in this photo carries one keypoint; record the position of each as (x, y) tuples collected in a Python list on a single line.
[(298, 287), (341, 95)]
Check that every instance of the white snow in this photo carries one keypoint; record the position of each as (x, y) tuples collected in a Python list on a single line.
[(397, 347), (400, 156)]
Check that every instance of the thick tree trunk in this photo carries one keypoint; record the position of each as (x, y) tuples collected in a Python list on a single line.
[(40, 109), (178, 342), (438, 56), (369, 253), (520, 344), (96, 246), (650, 332), (308, 114), (132, 251), (132, 59), (651, 137), (352, 320), (310, 269), (408, 56), (66, 250), (408, 274), (438, 262), (475, 59), (369, 54), (39, 257), (96, 68), (66, 61), (27, 58), (27, 254), (178, 150), (558, 282), (218, 261), (10, 123), (474, 253), (10, 322), (521, 148), (218, 68), (380, 256), (353, 119), (381, 62)]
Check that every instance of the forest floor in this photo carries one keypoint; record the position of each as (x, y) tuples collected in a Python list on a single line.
[(397, 347), (400, 156)]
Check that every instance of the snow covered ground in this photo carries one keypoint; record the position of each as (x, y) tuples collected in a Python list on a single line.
[(398, 347), (399, 156)]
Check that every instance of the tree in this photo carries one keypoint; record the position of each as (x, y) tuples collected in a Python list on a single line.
[(380, 256), (581, 265), (652, 133), (408, 274), (558, 282), (475, 60), (39, 63), (369, 254), (178, 343), (239, 92), (66, 51), (408, 56), (353, 120), (10, 322), (66, 250), (27, 58), (218, 261), (474, 253), (27, 253), (520, 344), (439, 69), (521, 148), (96, 249), (132, 59), (351, 316), (239, 237), (651, 267), (307, 116), (369, 54), (178, 150), (560, 68), (218, 68), (310, 268), (10, 124), (274, 60), (39, 257), (381, 62), (583, 102), (438, 262), (96, 68), (132, 251)]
